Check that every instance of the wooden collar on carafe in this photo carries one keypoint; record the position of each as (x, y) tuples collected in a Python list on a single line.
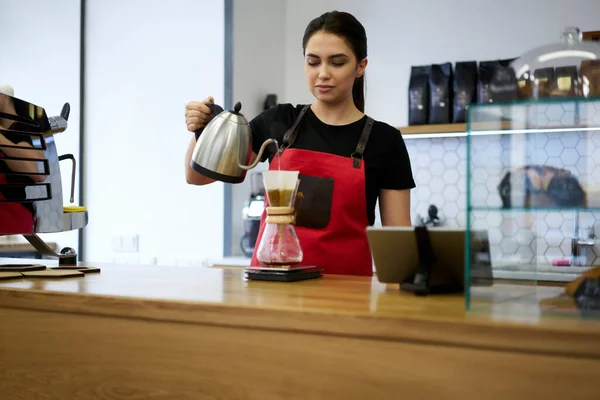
[(280, 215)]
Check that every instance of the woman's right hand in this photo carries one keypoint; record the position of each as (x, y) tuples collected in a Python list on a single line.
[(198, 114)]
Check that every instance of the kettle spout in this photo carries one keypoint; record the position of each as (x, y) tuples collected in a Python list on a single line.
[(259, 156)]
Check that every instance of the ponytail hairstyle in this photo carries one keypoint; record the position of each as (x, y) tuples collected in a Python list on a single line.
[(348, 27)]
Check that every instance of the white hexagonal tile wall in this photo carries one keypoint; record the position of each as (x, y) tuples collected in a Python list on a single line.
[(437, 151), (423, 145), (451, 159), (437, 168), (423, 160), (525, 237), (595, 138), (451, 144), (553, 148), (554, 220), (479, 176), (424, 194), (568, 118), (565, 247), (422, 176), (554, 162), (539, 246), (437, 199), (569, 157), (583, 165), (509, 246), (554, 112), (451, 177), (451, 211), (570, 139), (495, 235), (525, 253), (553, 237)]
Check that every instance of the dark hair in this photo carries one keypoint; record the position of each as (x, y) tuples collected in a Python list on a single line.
[(347, 26)]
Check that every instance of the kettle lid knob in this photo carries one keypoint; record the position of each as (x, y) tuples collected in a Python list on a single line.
[(237, 108)]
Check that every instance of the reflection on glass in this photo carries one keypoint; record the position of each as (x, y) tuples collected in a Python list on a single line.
[(22, 164)]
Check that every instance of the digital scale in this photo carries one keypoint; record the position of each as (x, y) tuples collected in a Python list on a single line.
[(283, 273)]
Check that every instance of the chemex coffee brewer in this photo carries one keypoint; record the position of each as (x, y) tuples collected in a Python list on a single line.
[(31, 192), (279, 251)]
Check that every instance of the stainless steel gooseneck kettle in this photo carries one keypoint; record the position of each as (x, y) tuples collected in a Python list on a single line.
[(224, 147)]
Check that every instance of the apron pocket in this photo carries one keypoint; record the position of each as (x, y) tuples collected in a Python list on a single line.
[(314, 207)]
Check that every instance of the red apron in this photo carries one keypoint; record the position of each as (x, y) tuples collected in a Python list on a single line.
[(332, 215)]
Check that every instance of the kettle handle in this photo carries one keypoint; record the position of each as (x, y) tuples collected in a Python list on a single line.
[(216, 110)]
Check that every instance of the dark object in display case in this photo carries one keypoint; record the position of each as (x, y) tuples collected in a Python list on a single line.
[(503, 86), (540, 186), (464, 89), (418, 95), (440, 93)]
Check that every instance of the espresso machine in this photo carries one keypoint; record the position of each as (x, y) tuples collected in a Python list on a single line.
[(31, 190), (251, 213)]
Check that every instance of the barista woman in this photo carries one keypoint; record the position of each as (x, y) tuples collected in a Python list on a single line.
[(346, 159)]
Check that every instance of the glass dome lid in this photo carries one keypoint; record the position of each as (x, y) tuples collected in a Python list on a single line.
[(570, 68)]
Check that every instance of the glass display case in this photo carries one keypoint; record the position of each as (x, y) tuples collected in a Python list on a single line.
[(533, 197), (533, 185)]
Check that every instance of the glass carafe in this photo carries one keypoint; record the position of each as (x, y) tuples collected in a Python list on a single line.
[(279, 244)]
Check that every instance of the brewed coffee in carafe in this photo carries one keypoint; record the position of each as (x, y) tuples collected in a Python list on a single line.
[(279, 244)]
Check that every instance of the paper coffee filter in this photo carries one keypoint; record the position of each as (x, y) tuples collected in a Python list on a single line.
[(282, 180)]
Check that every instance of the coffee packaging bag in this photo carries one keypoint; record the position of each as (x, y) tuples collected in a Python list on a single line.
[(486, 71), (503, 86), (440, 93), (464, 89), (418, 95)]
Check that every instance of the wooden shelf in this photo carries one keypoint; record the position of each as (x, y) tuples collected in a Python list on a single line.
[(434, 128), (490, 126), (458, 127)]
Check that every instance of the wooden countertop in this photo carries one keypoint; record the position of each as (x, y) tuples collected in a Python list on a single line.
[(354, 307), (135, 331)]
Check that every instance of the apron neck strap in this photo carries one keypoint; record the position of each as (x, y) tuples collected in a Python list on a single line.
[(290, 136), (362, 143)]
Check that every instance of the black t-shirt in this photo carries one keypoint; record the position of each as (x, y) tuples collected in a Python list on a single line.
[(387, 165)]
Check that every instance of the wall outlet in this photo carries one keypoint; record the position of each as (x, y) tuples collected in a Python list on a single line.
[(125, 243)]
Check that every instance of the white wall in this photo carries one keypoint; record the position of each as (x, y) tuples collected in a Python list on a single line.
[(144, 61), (39, 58), (258, 57), (406, 32)]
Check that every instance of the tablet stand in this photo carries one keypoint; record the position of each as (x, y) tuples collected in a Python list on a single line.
[(422, 282)]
